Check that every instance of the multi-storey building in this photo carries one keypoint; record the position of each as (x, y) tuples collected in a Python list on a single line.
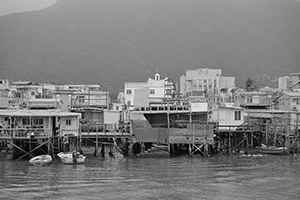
[(289, 101), (291, 82), (204, 79), (254, 100), (284, 82), (143, 94), (295, 80), (26, 89), (4, 84)]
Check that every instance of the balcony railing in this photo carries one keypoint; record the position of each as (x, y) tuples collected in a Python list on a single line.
[(15, 133)]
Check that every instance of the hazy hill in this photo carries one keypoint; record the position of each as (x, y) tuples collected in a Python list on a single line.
[(116, 41)]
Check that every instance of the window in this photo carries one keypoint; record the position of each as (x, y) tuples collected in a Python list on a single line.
[(195, 85), (152, 91), (25, 122), (68, 122), (18, 95), (237, 115), (128, 91), (38, 121), (81, 99), (249, 100)]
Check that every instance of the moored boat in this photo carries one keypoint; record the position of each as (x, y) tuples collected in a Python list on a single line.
[(40, 160), (271, 150), (71, 158)]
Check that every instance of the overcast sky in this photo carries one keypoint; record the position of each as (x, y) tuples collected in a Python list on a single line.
[(15, 6)]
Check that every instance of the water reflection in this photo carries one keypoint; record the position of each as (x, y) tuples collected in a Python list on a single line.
[(219, 177)]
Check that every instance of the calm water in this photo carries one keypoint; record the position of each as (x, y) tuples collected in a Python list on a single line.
[(219, 177)]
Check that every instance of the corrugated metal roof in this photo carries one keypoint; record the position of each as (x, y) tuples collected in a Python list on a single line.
[(39, 113), (264, 113), (24, 83), (293, 94), (44, 100), (232, 107), (268, 110)]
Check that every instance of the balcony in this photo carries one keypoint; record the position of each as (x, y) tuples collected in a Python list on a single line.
[(24, 133)]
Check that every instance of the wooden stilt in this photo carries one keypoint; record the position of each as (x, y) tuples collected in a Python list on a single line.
[(297, 125), (229, 141), (30, 151), (103, 151), (267, 134), (247, 144), (251, 141), (97, 144)]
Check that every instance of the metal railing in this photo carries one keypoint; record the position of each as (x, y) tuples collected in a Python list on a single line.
[(16, 133)]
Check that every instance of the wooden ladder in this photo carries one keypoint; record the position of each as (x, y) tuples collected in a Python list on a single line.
[(56, 145)]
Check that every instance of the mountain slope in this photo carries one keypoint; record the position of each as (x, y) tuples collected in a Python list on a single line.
[(115, 41)]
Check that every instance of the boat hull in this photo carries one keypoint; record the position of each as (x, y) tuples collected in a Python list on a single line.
[(71, 158), (40, 160), (270, 150)]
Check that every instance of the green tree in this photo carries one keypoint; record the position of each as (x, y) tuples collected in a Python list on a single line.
[(250, 85)]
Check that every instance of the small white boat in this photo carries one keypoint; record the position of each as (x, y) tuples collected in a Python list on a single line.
[(40, 160), (71, 158), (271, 149)]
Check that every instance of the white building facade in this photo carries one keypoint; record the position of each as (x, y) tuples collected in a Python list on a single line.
[(291, 82), (204, 79), (142, 94)]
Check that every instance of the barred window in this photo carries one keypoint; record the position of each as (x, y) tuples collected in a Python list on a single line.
[(68, 122), (237, 115)]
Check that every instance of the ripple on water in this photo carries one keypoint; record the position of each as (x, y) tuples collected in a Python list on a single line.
[(220, 177)]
